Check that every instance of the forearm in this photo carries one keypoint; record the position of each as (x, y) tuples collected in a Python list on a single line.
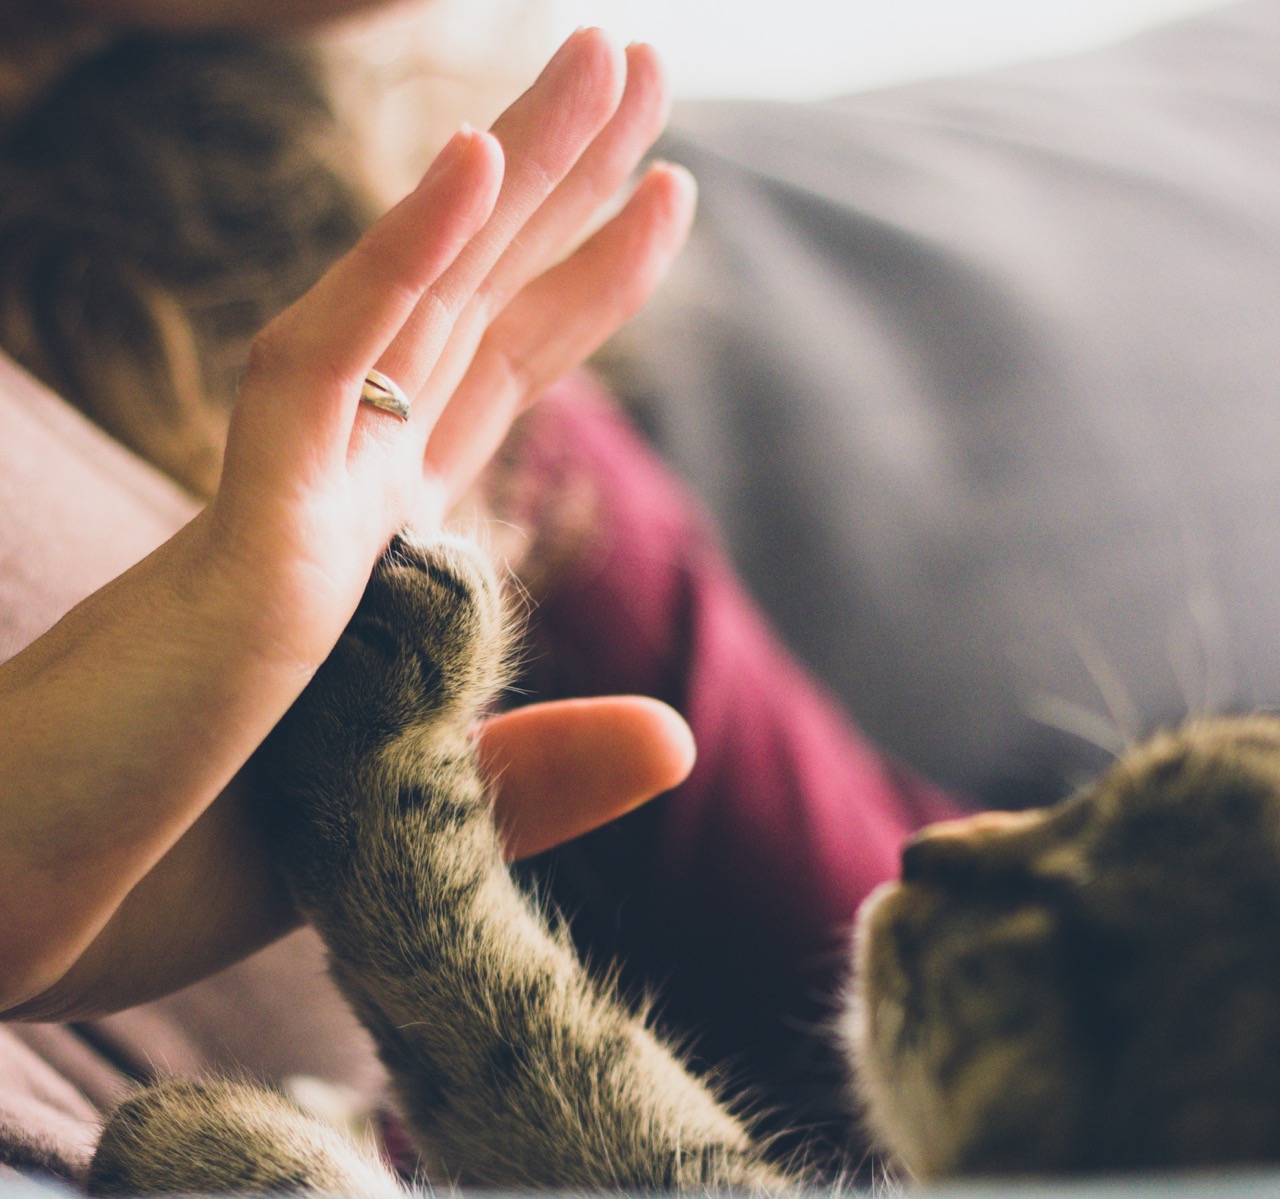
[(213, 899), (121, 726)]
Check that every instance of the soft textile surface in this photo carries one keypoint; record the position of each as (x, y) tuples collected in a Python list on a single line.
[(980, 377)]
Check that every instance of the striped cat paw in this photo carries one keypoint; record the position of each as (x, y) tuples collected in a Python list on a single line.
[(389, 710), (430, 632)]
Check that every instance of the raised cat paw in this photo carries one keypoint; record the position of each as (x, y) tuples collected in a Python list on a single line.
[(390, 708), (426, 644), (513, 1069)]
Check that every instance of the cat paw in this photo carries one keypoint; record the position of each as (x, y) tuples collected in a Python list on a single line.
[(389, 709), (198, 1138), (431, 628), (426, 648)]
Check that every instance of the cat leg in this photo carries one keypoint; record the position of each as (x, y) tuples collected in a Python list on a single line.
[(513, 1067), (215, 1137), (38, 1155)]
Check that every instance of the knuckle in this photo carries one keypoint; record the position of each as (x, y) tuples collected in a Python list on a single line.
[(517, 374), (373, 260), (443, 305), (281, 354)]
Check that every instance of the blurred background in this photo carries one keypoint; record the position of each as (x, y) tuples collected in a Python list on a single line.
[(441, 63), (809, 48)]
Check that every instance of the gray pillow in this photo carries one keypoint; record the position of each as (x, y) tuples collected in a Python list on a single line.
[(982, 378)]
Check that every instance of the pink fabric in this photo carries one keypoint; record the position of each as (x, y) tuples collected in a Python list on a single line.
[(76, 509)]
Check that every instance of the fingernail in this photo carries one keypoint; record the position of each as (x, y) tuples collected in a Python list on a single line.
[(674, 168), (567, 45), (451, 155)]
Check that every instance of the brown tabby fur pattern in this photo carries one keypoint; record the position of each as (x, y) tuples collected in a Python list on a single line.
[(1088, 988), (511, 1067)]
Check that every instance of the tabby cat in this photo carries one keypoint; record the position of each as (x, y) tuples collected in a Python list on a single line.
[(1087, 988), (1092, 987)]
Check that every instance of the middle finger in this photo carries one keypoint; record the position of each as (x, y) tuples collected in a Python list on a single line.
[(543, 134)]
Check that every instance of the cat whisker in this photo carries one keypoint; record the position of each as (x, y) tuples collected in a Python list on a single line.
[(1066, 716), (1184, 653), (1126, 718), (1209, 630)]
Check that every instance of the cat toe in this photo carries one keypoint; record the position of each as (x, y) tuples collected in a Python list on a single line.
[(444, 603)]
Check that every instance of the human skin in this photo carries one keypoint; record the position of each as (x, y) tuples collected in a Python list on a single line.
[(125, 874)]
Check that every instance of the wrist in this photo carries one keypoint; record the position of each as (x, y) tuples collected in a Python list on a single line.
[(266, 598)]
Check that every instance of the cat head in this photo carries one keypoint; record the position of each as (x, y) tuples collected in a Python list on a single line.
[(1090, 987)]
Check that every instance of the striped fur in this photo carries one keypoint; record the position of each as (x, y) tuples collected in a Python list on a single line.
[(513, 1069), (1092, 987)]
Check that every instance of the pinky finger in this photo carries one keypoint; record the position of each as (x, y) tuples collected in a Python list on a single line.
[(559, 319)]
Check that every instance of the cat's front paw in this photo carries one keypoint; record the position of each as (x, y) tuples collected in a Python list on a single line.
[(427, 646), (425, 649), (429, 638), (442, 603), (198, 1138)]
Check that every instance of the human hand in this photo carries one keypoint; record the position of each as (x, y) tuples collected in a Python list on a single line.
[(125, 722), (454, 295)]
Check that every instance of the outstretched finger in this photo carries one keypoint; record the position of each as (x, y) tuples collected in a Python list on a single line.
[(543, 135), (561, 769), (560, 319), (596, 178), (302, 387)]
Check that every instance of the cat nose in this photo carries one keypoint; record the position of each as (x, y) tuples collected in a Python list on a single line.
[(957, 847)]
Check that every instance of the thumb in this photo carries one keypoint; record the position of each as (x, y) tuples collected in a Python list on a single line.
[(561, 769)]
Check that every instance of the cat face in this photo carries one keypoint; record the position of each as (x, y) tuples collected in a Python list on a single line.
[(1094, 986)]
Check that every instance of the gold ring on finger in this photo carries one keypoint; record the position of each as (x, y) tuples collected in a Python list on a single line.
[(384, 393)]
